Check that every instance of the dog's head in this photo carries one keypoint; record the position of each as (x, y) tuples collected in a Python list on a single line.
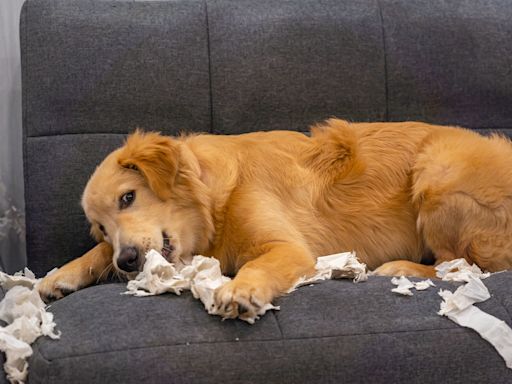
[(149, 195)]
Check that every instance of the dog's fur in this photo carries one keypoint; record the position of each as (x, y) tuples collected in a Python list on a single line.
[(267, 204)]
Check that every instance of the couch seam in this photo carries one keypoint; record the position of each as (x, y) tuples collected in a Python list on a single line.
[(124, 134), (208, 48), (386, 84), (77, 134), (455, 329), (278, 325)]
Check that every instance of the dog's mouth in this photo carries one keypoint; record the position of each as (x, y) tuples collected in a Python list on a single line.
[(167, 247)]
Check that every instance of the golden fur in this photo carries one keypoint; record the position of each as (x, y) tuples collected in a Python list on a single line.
[(267, 204)]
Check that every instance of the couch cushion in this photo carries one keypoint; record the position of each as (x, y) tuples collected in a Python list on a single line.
[(110, 66), (449, 62), (285, 64), (335, 331)]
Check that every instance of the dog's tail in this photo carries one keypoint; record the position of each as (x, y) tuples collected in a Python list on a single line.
[(333, 153)]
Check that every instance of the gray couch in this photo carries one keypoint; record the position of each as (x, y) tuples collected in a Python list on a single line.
[(94, 70)]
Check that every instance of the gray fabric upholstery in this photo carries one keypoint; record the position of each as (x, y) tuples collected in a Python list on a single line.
[(335, 331), (449, 62), (288, 64), (93, 70), (111, 66)]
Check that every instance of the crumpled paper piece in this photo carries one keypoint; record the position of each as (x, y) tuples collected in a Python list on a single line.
[(404, 285), (335, 266), (458, 306), (459, 270), (25, 312), (203, 276), (158, 276)]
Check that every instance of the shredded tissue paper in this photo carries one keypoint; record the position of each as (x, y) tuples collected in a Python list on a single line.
[(404, 285), (27, 319), (458, 306), (203, 276)]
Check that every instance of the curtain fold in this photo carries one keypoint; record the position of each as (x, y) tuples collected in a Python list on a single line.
[(12, 227)]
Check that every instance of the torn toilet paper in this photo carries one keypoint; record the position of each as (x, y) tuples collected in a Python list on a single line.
[(203, 276), (458, 306), (404, 285), (459, 270), (336, 266), (25, 313)]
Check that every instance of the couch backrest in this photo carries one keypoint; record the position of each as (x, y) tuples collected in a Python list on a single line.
[(94, 70)]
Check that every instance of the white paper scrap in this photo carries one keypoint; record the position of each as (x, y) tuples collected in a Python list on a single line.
[(336, 266), (404, 285), (424, 284), (25, 313), (203, 276), (24, 278), (458, 306), (157, 276), (459, 270)]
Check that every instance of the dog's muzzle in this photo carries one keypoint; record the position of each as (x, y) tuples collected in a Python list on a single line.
[(128, 259)]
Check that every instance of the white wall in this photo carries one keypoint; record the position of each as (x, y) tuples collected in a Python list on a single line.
[(12, 242)]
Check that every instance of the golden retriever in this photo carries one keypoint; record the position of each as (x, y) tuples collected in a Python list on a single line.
[(266, 204)]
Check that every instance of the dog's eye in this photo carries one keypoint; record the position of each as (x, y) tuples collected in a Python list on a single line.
[(126, 200)]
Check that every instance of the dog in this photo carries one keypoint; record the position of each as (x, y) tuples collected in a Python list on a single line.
[(267, 204)]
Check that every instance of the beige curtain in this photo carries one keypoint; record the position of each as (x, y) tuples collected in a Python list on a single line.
[(12, 231)]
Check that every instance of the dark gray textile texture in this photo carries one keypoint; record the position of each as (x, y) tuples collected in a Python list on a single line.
[(111, 66), (449, 62), (288, 64), (335, 331)]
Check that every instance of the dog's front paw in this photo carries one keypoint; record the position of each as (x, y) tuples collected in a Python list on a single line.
[(243, 300), (57, 285)]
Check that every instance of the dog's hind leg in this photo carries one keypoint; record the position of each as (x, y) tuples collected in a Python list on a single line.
[(405, 268), (457, 225), (462, 227), (462, 186)]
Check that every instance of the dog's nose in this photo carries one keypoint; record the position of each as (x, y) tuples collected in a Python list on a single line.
[(128, 259)]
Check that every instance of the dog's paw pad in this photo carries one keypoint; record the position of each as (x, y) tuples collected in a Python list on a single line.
[(55, 287), (241, 300)]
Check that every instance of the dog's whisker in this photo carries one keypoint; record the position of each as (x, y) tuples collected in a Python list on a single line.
[(120, 276), (107, 270)]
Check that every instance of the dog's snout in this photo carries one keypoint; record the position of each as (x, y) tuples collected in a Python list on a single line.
[(128, 259)]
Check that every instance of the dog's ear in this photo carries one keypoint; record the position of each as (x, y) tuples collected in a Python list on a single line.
[(155, 156), (96, 233)]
